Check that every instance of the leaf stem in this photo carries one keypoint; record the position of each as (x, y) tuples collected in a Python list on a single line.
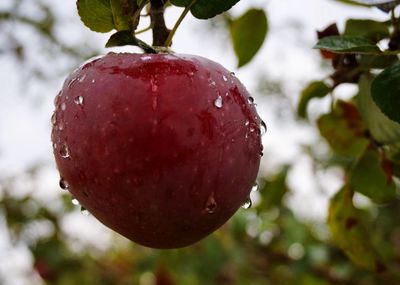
[(168, 42)]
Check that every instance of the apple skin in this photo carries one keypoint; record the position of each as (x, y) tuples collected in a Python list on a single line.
[(161, 148)]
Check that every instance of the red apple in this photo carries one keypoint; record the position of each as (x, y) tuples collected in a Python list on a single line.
[(162, 148)]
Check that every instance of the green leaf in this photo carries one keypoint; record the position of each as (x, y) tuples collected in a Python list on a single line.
[(373, 30), (316, 89), (123, 11), (348, 44), (205, 9), (377, 61), (385, 90), (368, 177), (381, 128), (123, 38), (246, 39), (96, 15), (273, 190), (349, 233), (344, 130)]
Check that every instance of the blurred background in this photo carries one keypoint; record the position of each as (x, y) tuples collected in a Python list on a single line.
[(282, 239)]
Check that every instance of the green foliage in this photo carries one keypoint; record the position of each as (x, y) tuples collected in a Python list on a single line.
[(368, 177), (348, 44), (366, 28), (205, 9), (245, 39), (349, 233), (316, 89), (385, 91), (97, 15)]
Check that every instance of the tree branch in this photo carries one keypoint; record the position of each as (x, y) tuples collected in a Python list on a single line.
[(160, 30)]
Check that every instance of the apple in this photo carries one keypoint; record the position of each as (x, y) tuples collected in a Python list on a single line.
[(161, 148)]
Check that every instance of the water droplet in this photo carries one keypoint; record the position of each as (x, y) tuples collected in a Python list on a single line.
[(54, 146), (63, 106), (255, 187), (71, 83), (84, 211), (64, 151), (263, 128), (250, 100), (261, 153), (145, 58), (63, 184), (247, 204), (224, 78), (232, 73), (61, 126), (93, 80), (252, 129), (53, 119), (247, 122), (78, 100), (82, 78), (75, 202), (211, 205), (218, 102)]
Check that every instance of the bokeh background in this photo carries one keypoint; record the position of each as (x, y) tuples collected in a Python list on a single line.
[(282, 239)]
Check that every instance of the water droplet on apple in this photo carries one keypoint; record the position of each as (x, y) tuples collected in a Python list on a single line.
[(78, 100), (263, 128), (61, 126), (247, 122), (63, 184), (82, 78), (54, 146), (84, 211), (53, 119), (250, 100), (211, 205), (255, 187), (72, 82), (247, 204), (93, 80), (64, 151), (218, 102), (75, 202), (224, 78), (63, 106), (232, 73), (211, 82), (145, 58)]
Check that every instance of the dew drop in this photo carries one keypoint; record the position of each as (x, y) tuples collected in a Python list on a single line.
[(53, 119), (63, 184), (263, 128), (78, 100), (71, 83), (64, 151), (145, 58), (255, 187), (224, 78), (61, 126), (250, 100), (218, 102), (75, 202), (247, 204), (211, 205), (82, 78), (247, 122), (84, 211), (63, 106), (232, 73), (93, 80)]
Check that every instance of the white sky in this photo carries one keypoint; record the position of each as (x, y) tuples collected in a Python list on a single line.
[(287, 55)]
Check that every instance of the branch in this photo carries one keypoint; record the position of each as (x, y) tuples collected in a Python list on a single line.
[(160, 30)]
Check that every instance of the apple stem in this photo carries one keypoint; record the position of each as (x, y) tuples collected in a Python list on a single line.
[(160, 30), (168, 41)]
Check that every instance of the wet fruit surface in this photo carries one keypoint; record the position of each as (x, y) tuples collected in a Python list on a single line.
[(161, 148)]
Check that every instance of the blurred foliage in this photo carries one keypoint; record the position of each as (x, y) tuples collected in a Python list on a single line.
[(269, 243)]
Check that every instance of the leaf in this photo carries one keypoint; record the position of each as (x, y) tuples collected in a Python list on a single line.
[(348, 44), (246, 39), (373, 30), (123, 11), (381, 128), (377, 61), (96, 14), (273, 190), (316, 89), (205, 9), (123, 38), (385, 90), (349, 233), (343, 129), (369, 178)]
